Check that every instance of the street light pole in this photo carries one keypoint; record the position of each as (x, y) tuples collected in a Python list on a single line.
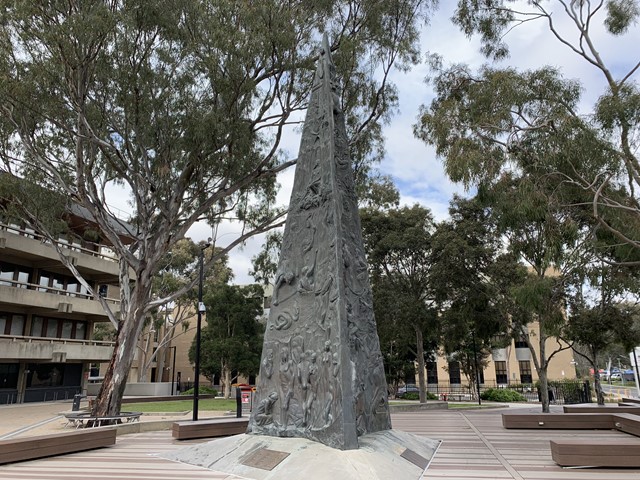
[(201, 310), (173, 369)]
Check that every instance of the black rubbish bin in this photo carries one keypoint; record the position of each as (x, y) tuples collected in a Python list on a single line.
[(76, 402)]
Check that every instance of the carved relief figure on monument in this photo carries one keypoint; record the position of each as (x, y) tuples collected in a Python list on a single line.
[(284, 276), (264, 411), (267, 363), (287, 379)]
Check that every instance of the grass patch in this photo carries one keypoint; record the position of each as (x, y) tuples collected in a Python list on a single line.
[(468, 406), (210, 404)]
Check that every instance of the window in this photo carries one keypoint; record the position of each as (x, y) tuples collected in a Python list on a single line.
[(14, 275), (525, 372), (521, 342), (67, 329), (36, 326), (52, 328), (11, 324), (60, 284), (57, 328), (17, 325), (432, 373), (6, 274), (81, 331), (9, 375), (454, 373), (501, 373)]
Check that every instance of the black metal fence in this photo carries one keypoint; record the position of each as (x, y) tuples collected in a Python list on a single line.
[(560, 392)]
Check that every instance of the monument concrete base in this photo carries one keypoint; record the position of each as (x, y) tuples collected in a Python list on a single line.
[(385, 455)]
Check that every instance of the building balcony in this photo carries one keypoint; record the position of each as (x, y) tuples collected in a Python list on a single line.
[(95, 261), (44, 300), (54, 350)]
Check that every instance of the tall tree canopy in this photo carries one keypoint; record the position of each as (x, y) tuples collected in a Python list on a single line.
[(184, 104), (398, 246), (472, 277), (232, 338), (483, 123)]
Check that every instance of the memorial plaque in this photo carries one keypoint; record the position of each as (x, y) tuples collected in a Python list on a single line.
[(415, 458), (321, 372), (264, 459)]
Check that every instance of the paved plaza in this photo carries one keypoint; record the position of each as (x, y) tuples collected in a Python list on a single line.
[(474, 447)]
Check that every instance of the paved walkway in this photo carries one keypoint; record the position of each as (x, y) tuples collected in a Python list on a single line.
[(475, 447)]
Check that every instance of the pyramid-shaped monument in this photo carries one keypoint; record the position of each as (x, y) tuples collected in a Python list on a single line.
[(321, 374)]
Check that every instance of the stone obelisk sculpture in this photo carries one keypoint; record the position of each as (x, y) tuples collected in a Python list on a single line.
[(321, 374)]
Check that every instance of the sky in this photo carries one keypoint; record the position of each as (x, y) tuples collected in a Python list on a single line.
[(414, 166)]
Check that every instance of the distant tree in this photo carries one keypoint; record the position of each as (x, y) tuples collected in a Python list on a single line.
[(473, 280), (178, 270), (398, 246), (599, 318), (184, 105), (232, 338)]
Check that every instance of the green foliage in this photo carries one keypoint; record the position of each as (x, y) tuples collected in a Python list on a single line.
[(416, 396), (502, 395), (534, 123), (621, 14), (473, 280), (232, 338), (104, 332), (183, 105), (398, 247), (202, 390)]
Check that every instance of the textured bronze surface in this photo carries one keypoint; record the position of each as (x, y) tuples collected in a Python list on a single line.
[(321, 374)]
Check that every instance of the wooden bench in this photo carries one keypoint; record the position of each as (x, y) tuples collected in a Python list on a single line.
[(215, 427), (587, 452), (627, 423), (84, 419), (559, 421), (601, 409), (596, 453), (28, 448)]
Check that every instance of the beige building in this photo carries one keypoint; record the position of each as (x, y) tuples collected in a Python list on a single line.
[(172, 362), (506, 366), (46, 316)]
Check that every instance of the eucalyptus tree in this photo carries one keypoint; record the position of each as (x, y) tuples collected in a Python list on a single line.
[(480, 121), (601, 314), (232, 337), (398, 247), (184, 104), (472, 276)]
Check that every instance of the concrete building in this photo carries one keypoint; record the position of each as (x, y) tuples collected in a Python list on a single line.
[(46, 316)]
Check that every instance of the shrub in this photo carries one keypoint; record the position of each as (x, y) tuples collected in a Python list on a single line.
[(416, 396), (202, 391), (502, 395)]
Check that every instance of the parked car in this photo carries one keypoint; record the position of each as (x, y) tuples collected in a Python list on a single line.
[(615, 376), (409, 388)]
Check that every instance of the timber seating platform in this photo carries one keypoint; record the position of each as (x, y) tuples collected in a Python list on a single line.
[(593, 453), (28, 448), (214, 427), (559, 421), (587, 452), (601, 409)]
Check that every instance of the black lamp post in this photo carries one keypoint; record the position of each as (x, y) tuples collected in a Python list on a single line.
[(173, 368), (201, 310)]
